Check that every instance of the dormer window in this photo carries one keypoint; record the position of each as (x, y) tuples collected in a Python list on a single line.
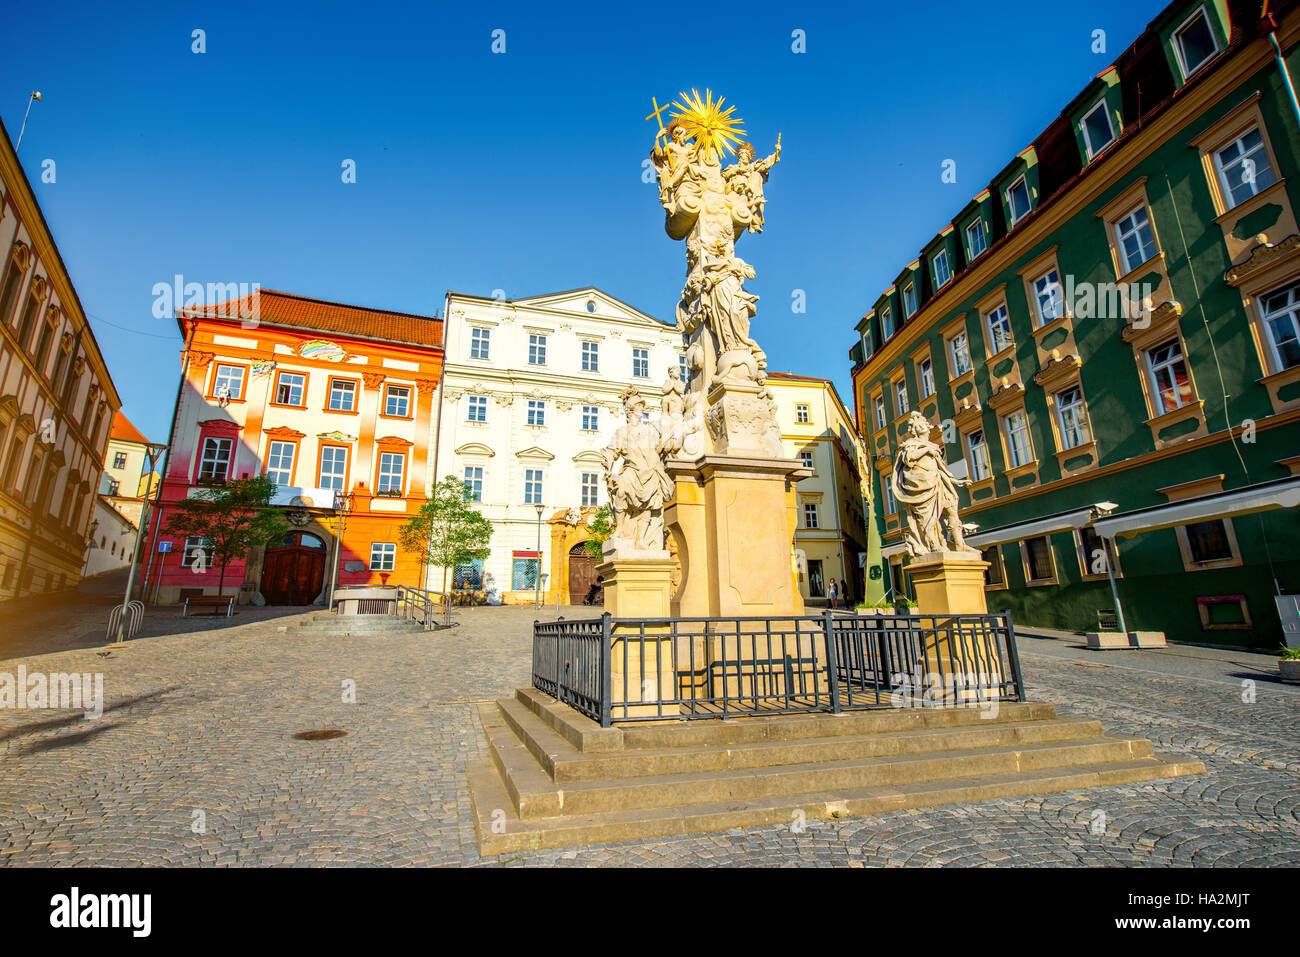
[(939, 266), (1194, 43), (1097, 131), (909, 300), (1018, 200), (975, 241), (886, 322)]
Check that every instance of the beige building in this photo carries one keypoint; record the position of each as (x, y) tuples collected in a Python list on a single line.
[(109, 539), (831, 535), (124, 485), (56, 401)]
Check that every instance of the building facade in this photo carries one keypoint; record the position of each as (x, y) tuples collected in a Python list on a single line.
[(532, 393), (109, 539), (56, 401), (336, 404), (831, 539), (1105, 340), (124, 482)]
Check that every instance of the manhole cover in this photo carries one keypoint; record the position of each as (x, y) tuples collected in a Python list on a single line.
[(324, 735)]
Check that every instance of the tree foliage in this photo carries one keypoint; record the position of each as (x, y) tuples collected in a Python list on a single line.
[(601, 527), (230, 519), (447, 530)]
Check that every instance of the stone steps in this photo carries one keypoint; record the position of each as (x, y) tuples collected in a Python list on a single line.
[(554, 778), (357, 625)]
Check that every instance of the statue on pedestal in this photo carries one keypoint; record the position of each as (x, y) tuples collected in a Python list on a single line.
[(639, 484), (922, 482)]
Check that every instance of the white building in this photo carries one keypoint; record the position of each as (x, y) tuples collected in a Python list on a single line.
[(531, 393)]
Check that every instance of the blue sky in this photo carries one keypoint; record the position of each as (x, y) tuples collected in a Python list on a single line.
[(519, 171)]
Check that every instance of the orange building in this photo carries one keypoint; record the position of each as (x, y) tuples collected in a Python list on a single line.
[(338, 405)]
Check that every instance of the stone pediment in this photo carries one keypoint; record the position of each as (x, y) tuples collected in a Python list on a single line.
[(475, 448), (576, 300), (590, 456), (534, 452)]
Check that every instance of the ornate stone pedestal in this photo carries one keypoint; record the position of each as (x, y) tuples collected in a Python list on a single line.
[(639, 588), (733, 520), (949, 583)]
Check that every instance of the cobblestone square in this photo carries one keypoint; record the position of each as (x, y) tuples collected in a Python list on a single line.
[(198, 729)]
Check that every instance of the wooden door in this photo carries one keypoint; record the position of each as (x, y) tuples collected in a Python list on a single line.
[(583, 587), (292, 575)]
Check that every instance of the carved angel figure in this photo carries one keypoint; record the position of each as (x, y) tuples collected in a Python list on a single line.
[(746, 177)]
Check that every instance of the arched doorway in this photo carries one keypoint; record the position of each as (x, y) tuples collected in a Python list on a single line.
[(293, 570), (583, 586)]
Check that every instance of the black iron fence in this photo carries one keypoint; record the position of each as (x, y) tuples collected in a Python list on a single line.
[(666, 668)]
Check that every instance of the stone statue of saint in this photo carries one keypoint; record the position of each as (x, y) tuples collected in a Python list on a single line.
[(746, 177), (670, 160), (639, 484), (923, 484)]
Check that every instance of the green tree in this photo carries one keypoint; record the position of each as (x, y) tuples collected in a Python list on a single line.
[(601, 526), (447, 530), (230, 519)]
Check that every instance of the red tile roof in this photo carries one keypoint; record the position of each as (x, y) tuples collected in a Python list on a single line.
[(124, 431), (319, 315)]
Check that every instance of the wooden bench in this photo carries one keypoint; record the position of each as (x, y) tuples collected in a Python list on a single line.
[(215, 605)]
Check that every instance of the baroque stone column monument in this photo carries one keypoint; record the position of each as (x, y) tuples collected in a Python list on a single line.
[(731, 511)]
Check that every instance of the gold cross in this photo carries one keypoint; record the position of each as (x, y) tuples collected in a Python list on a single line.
[(658, 109)]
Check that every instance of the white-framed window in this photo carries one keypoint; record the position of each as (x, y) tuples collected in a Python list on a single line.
[(979, 456), (536, 412), (1281, 309), (333, 467), (473, 483), (976, 243), (397, 401), (1019, 449), (1244, 168), (810, 517), (214, 462), (536, 350), (119, 460), (1070, 418), (886, 322), (1018, 200), (289, 388), (909, 300), (590, 356), (801, 413), (960, 351), (999, 323), (1049, 297), (939, 269), (477, 408), (590, 489), (480, 343), (382, 556), (343, 395), (195, 553), (392, 466), (881, 419), (229, 383), (927, 377), (900, 397), (681, 367), (1137, 243), (590, 418), (806, 458), (891, 504), (532, 486), (279, 462), (640, 362), (1097, 131), (1170, 384), (1194, 43)]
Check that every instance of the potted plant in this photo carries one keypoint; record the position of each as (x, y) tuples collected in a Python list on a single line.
[(1289, 664), (904, 606)]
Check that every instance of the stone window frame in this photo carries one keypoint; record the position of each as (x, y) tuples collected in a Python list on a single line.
[(989, 304), (970, 458), (1121, 207), (216, 365), (474, 340), (275, 388), (20, 256), (293, 441), (949, 334), (1164, 326), (812, 508), (878, 405), (410, 395), (404, 476), (898, 386), (347, 464), (1204, 602), (1234, 124)]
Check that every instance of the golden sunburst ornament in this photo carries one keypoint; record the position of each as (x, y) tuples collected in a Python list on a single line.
[(707, 122)]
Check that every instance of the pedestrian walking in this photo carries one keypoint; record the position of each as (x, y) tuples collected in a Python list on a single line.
[(832, 593)]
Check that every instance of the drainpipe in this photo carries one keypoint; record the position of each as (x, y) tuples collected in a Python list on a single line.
[(1282, 70)]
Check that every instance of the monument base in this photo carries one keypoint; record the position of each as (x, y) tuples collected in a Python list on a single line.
[(642, 664), (949, 583), (733, 520)]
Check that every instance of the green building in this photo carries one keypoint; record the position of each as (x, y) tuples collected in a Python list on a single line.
[(1107, 342)]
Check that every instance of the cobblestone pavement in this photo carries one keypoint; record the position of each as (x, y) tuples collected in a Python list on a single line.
[(198, 730)]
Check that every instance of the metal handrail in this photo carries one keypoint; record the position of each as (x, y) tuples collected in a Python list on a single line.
[(429, 608)]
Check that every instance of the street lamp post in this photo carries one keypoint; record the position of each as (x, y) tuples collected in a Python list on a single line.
[(35, 97), (540, 508), (152, 451)]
